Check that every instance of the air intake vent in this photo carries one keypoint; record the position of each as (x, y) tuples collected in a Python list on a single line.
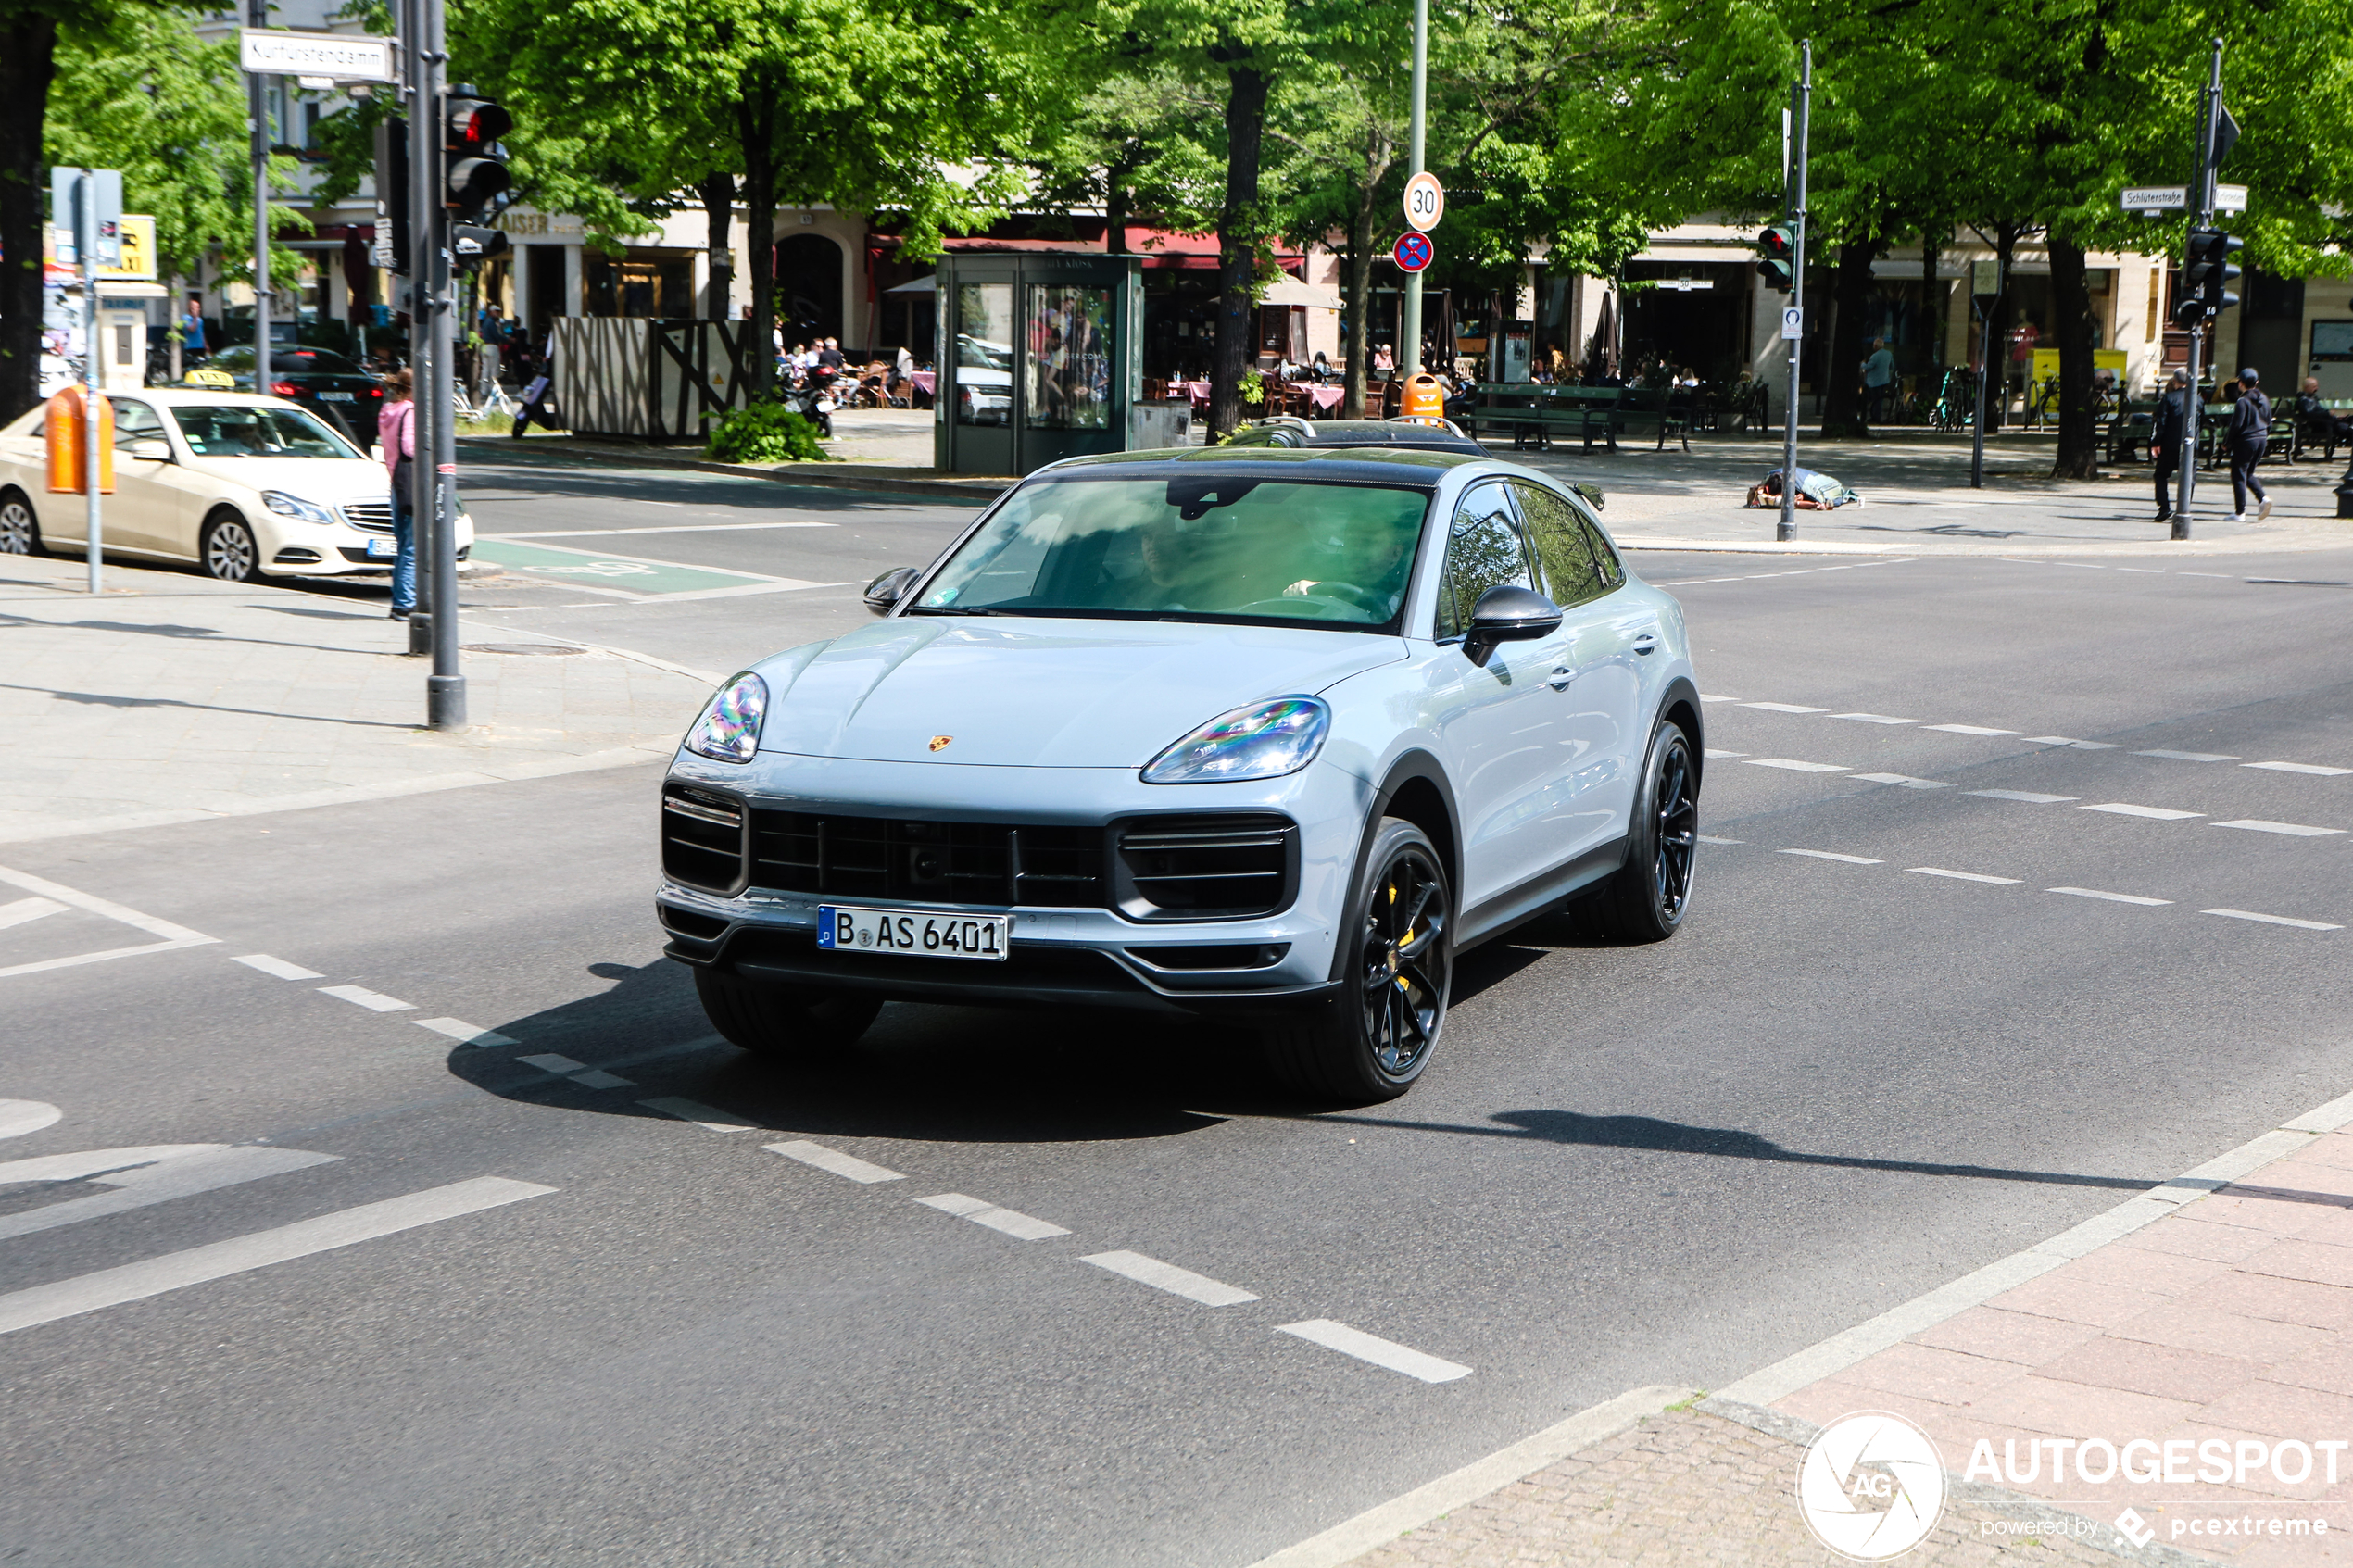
[(702, 838), (1207, 867)]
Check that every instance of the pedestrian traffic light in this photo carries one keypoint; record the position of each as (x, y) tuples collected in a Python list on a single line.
[(473, 164), (2206, 274), (391, 194), (471, 242), (1777, 257)]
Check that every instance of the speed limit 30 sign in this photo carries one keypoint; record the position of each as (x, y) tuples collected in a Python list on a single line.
[(1425, 202)]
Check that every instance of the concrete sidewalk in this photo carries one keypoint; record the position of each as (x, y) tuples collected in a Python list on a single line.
[(177, 699)]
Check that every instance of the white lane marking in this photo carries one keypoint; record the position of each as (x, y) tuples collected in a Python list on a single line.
[(1870, 718), (1797, 767), (2111, 897), (597, 1078), (464, 1032), (2301, 767), (2188, 756), (1371, 1347), (835, 1160), (2294, 830), (1961, 876), (133, 1282), (279, 968), (1019, 1225), (2273, 919), (23, 910), (176, 1176), (1827, 854), (663, 528), (548, 1061), (1784, 707), (2222, 575), (2154, 813), (375, 1002), (1705, 839), (2027, 795), (1703, 696), (1905, 779), (580, 1073), (1169, 1278), (2070, 740), (1970, 730), (105, 906), (2145, 571), (693, 1110), (1711, 751), (18, 1117)]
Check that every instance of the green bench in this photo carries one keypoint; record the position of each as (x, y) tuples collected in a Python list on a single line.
[(1541, 412)]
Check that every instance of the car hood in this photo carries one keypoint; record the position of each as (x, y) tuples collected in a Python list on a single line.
[(1040, 694), (331, 479)]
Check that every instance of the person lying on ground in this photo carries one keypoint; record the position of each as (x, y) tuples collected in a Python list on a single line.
[(1816, 491)]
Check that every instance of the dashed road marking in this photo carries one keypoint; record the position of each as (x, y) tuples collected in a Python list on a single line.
[(1862, 717), (2313, 768), (2070, 741), (2188, 756), (1705, 839), (2294, 830), (1797, 767), (277, 967), (597, 1078), (1705, 697), (375, 1002), (2027, 795), (1022, 1227), (1962, 876), (834, 1162), (1372, 1347), (580, 1073), (1827, 854), (701, 1115), (2111, 897), (464, 1032), (1169, 1278), (1970, 729), (1712, 752), (1784, 707), (2154, 813), (174, 1271), (2273, 919), (1905, 779)]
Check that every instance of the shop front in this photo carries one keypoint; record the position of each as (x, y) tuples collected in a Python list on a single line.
[(1037, 357)]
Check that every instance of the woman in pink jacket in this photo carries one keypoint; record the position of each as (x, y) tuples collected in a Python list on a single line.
[(397, 434)]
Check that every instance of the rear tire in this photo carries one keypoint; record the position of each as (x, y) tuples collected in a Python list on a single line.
[(1373, 1040), (1646, 899), (19, 530), (782, 1022)]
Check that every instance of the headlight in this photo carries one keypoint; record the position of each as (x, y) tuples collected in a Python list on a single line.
[(1262, 741), (729, 729), (295, 506)]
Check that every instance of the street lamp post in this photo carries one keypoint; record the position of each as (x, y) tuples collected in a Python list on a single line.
[(1409, 360), (257, 97), (1786, 529)]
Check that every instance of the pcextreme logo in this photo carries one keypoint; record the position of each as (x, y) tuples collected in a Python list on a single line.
[(1872, 1486)]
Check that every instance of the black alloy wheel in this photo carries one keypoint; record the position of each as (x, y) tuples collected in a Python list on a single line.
[(20, 531), (1373, 1040), (1647, 898), (230, 552)]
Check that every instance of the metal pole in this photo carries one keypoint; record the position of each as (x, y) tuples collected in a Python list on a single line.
[(423, 157), (86, 239), (1409, 360), (2203, 198), (259, 104), (446, 687), (1786, 529), (1984, 374)]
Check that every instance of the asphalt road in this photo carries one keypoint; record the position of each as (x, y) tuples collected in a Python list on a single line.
[(1911, 1027)]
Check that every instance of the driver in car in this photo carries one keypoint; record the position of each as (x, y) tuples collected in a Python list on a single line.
[(1369, 574)]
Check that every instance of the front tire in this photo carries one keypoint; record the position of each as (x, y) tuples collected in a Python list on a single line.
[(1373, 1040), (1647, 898), (229, 550), (782, 1022), (19, 530)]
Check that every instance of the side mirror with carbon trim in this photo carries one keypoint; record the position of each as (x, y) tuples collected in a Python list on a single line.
[(1507, 613), (885, 592)]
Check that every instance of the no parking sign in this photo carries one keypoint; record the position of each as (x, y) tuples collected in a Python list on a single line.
[(1412, 252)]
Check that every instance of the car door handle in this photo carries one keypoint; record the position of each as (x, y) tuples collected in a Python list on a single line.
[(1646, 644), (1561, 677)]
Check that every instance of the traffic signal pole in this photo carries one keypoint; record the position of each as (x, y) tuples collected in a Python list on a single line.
[(446, 687), (1786, 529), (1409, 359), (2202, 198), (258, 100), (420, 197)]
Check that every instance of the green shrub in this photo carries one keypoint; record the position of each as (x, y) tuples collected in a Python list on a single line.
[(763, 433)]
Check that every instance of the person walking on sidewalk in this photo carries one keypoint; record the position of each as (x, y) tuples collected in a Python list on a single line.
[(396, 432), (2165, 438), (2246, 435)]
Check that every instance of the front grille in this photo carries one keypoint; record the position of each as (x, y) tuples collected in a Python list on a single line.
[(373, 516), (842, 857), (702, 838), (1215, 867)]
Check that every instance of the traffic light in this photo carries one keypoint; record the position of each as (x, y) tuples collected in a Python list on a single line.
[(1777, 257), (471, 242), (392, 195), (2206, 275), (473, 164)]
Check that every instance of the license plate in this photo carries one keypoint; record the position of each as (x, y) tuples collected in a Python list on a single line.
[(335, 397), (382, 550), (911, 933)]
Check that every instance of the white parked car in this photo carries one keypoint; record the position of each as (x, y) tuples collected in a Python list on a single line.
[(243, 486)]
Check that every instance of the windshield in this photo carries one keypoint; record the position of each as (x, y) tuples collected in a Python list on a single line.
[(251, 431), (1207, 547), (296, 361)]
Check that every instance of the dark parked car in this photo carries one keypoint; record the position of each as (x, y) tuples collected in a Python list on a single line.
[(338, 389)]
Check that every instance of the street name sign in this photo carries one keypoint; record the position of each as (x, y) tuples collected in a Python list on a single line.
[(1425, 202), (2153, 198), (336, 56), (2230, 199), (1412, 252)]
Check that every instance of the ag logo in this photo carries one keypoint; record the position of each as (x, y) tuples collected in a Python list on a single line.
[(939, 742), (1872, 1486)]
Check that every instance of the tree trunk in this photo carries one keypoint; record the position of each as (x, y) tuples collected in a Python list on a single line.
[(718, 192), (1237, 224), (1842, 369), (755, 125), (1360, 307), (2079, 449), (28, 61)]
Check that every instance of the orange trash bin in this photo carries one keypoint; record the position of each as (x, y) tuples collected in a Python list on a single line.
[(64, 428), (1424, 397)]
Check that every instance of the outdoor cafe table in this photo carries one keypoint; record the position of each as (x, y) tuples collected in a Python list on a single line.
[(926, 381), (1325, 397)]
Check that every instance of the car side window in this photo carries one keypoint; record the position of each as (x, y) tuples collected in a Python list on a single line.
[(1557, 535), (1604, 555), (133, 421), (1483, 551)]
